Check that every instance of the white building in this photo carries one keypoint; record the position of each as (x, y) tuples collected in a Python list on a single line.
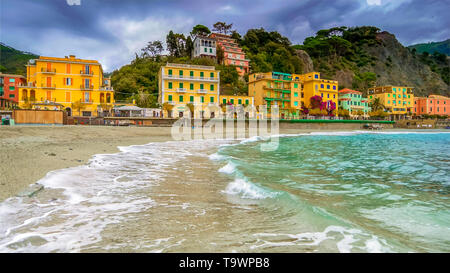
[(204, 47)]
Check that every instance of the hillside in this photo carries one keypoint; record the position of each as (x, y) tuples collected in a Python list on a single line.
[(440, 47), (363, 56), (13, 61)]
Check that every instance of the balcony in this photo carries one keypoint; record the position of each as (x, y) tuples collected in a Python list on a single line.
[(202, 91), (30, 84), (87, 101), (106, 88), (87, 87), (48, 86), (181, 77), (48, 71), (86, 73), (181, 90)]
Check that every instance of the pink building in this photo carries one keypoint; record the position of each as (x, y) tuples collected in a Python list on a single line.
[(233, 54), (433, 105)]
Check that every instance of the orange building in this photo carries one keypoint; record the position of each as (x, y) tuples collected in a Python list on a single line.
[(233, 54), (433, 105)]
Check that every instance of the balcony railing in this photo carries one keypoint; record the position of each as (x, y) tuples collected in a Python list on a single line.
[(181, 90), (87, 101), (86, 73), (106, 88), (51, 86), (86, 87), (30, 84), (181, 77), (48, 71), (203, 91)]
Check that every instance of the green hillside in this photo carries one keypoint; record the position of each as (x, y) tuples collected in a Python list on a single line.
[(13, 61), (440, 47)]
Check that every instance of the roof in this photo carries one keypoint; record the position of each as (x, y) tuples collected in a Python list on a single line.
[(438, 97), (11, 75), (349, 91), (129, 108)]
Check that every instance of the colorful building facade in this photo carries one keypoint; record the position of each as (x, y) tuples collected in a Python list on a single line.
[(69, 83), (233, 54), (397, 100), (353, 102), (182, 84), (314, 85), (9, 89), (204, 47), (432, 105)]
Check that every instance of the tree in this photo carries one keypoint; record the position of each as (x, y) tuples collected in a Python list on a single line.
[(376, 105), (78, 105), (168, 107), (176, 44), (343, 113), (145, 100), (220, 54), (152, 49), (200, 30), (222, 27)]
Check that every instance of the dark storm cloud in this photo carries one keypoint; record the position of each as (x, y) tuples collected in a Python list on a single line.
[(112, 30)]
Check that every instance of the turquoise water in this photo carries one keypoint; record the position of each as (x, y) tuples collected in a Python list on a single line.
[(377, 192)]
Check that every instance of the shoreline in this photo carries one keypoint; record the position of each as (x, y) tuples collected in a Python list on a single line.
[(28, 153)]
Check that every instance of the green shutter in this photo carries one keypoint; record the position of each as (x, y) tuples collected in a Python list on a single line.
[(191, 73), (211, 87), (181, 72), (191, 86), (180, 85), (211, 75), (180, 98), (211, 99), (191, 98), (170, 97), (202, 99), (170, 71), (170, 85), (201, 86), (232, 101), (201, 74), (246, 102), (239, 101), (224, 101)]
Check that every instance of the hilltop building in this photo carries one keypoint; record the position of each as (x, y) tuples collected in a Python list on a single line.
[(204, 47), (233, 54), (397, 100), (74, 85), (353, 101), (432, 105), (9, 89)]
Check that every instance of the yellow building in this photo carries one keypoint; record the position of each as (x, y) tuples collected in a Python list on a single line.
[(313, 85), (398, 100), (72, 84), (182, 84), (276, 88), (245, 101)]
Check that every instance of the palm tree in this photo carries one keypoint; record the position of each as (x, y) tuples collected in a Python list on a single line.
[(376, 105), (168, 107)]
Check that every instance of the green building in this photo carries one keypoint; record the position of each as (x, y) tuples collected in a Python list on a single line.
[(353, 101)]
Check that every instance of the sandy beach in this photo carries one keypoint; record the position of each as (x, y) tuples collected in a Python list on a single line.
[(28, 153)]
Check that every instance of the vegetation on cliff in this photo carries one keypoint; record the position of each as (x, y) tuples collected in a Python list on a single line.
[(13, 61)]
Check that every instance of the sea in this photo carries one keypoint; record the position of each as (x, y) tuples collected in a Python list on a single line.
[(349, 191)]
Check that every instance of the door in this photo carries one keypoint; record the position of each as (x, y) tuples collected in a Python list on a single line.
[(49, 82)]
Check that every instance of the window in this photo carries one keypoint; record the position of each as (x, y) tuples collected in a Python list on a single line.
[(389, 95), (232, 101), (206, 50), (295, 103), (170, 85), (211, 87), (191, 74), (295, 85), (201, 86), (224, 101), (389, 101), (395, 89), (191, 98), (191, 86), (181, 73), (12, 96), (202, 99), (316, 76), (211, 75), (170, 72), (328, 86), (12, 88), (180, 85), (12, 80), (210, 50), (431, 109), (68, 81), (170, 97), (334, 96), (321, 86), (334, 87), (321, 94), (295, 94), (240, 101), (180, 98), (328, 96), (201, 74), (246, 102), (211, 99)]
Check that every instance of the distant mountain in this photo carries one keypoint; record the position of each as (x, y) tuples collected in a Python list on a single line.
[(441, 47), (13, 61)]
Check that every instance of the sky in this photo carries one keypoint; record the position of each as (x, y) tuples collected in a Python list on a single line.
[(111, 31)]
